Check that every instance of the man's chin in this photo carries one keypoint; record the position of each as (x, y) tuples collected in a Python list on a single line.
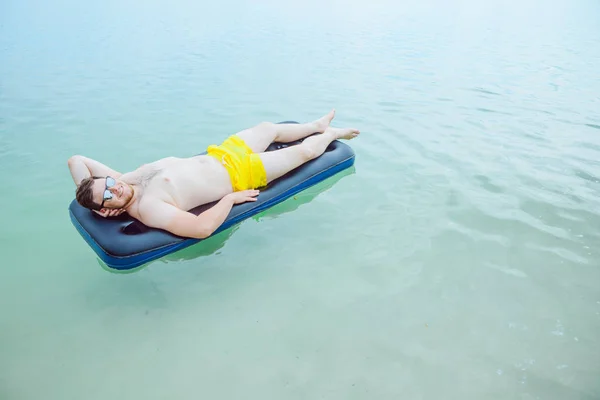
[(127, 201)]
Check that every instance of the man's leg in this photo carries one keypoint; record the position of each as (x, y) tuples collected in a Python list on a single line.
[(279, 162), (258, 138)]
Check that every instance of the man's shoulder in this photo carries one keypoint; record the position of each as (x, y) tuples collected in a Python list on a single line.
[(153, 211), (149, 205)]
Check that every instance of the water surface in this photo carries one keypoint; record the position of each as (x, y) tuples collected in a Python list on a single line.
[(458, 259)]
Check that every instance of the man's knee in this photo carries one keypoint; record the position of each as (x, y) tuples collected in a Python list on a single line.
[(266, 128), (307, 152)]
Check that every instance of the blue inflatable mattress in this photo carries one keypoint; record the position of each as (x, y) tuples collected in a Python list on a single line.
[(124, 243)]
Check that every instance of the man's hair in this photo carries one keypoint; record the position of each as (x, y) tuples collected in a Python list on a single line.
[(85, 194)]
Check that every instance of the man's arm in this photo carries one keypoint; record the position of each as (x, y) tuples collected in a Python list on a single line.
[(162, 215), (82, 167)]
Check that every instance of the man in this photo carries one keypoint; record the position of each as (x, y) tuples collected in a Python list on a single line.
[(161, 193)]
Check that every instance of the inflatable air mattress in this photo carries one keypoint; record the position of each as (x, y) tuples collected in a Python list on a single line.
[(124, 243)]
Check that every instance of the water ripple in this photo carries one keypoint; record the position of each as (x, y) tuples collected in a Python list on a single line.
[(469, 227)]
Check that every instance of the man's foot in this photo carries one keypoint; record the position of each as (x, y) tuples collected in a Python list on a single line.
[(344, 133), (323, 122)]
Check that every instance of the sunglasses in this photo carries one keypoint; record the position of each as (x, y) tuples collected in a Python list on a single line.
[(110, 182)]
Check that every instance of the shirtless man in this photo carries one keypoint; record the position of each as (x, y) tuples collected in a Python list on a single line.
[(161, 193)]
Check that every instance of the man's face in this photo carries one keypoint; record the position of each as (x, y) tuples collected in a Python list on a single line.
[(113, 192)]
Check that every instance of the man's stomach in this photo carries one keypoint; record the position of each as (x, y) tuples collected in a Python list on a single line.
[(191, 182)]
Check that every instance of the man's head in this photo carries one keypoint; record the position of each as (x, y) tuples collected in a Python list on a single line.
[(97, 192)]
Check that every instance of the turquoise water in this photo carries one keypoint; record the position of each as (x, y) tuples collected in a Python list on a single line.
[(457, 260)]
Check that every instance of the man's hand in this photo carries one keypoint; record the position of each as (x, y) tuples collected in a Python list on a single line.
[(108, 212), (243, 196)]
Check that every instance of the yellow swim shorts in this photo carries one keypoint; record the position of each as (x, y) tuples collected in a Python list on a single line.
[(245, 167)]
